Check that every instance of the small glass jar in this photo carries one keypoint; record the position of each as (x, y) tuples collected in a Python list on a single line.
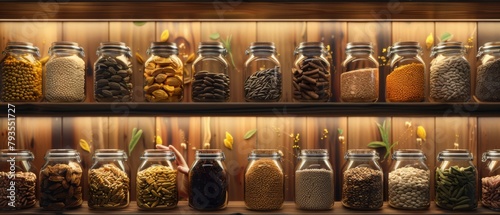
[(156, 186), (109, 181), (311, 73), (163, 74), (359, 80), (409, 180), (21, 73), (362, 184), (61, 180), (406, 81), (264, 180), (113, 73), (488, 73), (449, 79), (491, 180), (263, 78), (64, 77), (314, 181), (208, 181), (17, 179), (211, 81), (456, 180)]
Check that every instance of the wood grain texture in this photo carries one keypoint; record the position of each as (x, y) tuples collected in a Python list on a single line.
[(41, 34), (488, 136), (460, 130), (486, 32)]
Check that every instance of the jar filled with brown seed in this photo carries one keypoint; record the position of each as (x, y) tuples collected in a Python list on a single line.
[(488, 73), (20, 73), (359, 80), (211, 82), (113, 73), (490, 180), (156, 183), (17, 179), (61, 180), (263, 78), (109, 181)]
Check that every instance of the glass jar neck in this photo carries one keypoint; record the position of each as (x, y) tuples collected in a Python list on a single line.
[(158, 154), (209, 154), (66, 48), (265, 153), (493, 154), (17, 155), (109, 155), (211, 49), (163, 48), (21, 48), (62, 155), (455, 154), (361, 154)]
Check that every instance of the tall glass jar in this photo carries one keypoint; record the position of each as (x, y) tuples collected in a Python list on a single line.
[(409, 180), (113, 73), (64, 77), (208, 181), (20, 73), (156, 186), (488, 73), (491, 180), (163, 74), (311, 73), (17, 179), (264, 180), (450, 73), (406, 81), (362, 184), (109, 181), (263, 76), (314, 181), (456, 180), (61, 180), (211, 81), (359, 81)]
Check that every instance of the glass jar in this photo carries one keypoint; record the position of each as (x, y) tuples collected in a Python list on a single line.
[(208, 185), (362, 185), (20, 73), (359, 81), (314, 181), (263, 78), (61, 180), (156, 186), (456, 180), (113, 73), (109, 181), (409, 180), (488, 73), (163, 74), (406, 81), (449, 79), (491, 180), (311, 73), (211, 81), (64, 77), (17, 179), (264, 180)]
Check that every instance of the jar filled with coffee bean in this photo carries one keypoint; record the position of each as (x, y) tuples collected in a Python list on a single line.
[(488, 73), (113, 73), (17, 179), (211, 82), (490, 180), (263, 76), (311, 73), (359, 81)]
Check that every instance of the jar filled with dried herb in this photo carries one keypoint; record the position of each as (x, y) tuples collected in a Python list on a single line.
[(17, 179), (490, 180), (488, 73), (359, 80), (211, 82), (113, 73), (262, 75)]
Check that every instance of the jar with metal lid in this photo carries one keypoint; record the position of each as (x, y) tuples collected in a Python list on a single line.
[(109, 180), (456, 180), (17, 179), (311, 73), (409, 180), (208, 181), (61, 180), (113, 73), (314, 181), (491, 180), (163, 73), (263, 76), (359, 80), (20, 73), (362, 181), (64, 77), (449, 79), (156, 186), (488, 73), (406, 81), (211, 81)]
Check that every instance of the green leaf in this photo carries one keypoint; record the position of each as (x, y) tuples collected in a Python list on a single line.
[(214, 36), (383, 134), (393, 144), (340, 131), (376, 144), (139, 23), (249, 134), (134, 141), (134, 131), (446, 37)]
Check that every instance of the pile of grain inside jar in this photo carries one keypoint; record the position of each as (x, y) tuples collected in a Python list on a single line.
[(362, 188), (25, 190), (21, 79), (109, 187), (65, 79), (264, 185), (314, 189), (491, 192), (409, 188), (456, 188), (450, 80), (157, 187), (488, 86), (406, 84), (359, 85), (61, 186)]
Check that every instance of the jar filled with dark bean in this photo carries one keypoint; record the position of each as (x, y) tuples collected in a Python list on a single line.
[(456, 180), (311, 73), (113, 73), (17, 179), (359, 81), (488, 73), (263, 76), (211, 81), (490, 180), (362, 181), (208, 181)]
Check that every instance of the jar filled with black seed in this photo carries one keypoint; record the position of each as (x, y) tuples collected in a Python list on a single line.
[(211, 80), (263, 78), (17, 179), (359, 81), (488, 73), (490, 181)]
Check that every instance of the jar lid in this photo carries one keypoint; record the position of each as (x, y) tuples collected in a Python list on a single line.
[(265, 153), (447, 46), (109, 154), (66, 45), (261, 46), (62, 154), (26, 46), (116, 46), (404, 46), (156, 154), (310, 46), (359, 47), (491, 154), (209, 154), (408, 154), (210, 46), (316, 153), (361, 154), (456, 154), (489, 47), (6, 154), (162, 46)]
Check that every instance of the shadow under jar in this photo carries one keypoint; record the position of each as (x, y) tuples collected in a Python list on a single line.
[(17, 179), (488, 73), (263, 78), (359, 81), (490, 181)]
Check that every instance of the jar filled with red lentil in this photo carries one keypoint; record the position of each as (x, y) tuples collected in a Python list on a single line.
[(488, 73), (359, 81)]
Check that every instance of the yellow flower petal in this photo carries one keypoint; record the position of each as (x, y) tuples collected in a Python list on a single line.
[(164, 36), (228, 144), (158, 140), (421, 132), (84, 145), (229, 137)]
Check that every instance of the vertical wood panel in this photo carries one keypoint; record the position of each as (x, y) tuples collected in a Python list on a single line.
[(488, 138), (41, 34), (487, 32), (447, 129)]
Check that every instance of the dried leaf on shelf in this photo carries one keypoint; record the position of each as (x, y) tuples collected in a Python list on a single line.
[(84, 145), (139, 58), (421, 132), (139, 23), (429, 41), (249, 134), (164, 36), (214, 36), (446, 37)]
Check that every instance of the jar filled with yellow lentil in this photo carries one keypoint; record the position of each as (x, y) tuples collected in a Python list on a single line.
[(360, 74)]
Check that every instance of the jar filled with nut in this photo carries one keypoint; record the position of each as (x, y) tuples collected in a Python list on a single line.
[(109, 181), (211, 81), (17, 179), (491, 180), (262, 73), (60, 180), (488, 73), (359, 81), (163, 74), (113, 73), (20, 73), (157, 180)]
